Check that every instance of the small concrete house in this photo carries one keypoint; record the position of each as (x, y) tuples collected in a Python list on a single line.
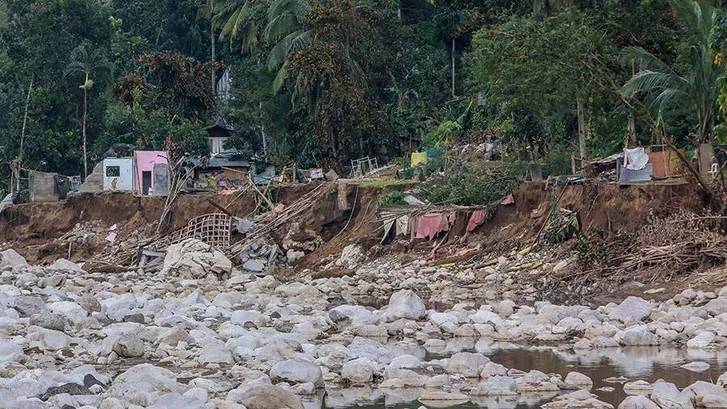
[(118, 174), (146, 163), (217, 135)]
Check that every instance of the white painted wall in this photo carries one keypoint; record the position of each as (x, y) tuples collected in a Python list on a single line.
[(125, 180)]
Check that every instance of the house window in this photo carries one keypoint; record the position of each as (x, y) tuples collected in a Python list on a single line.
[(113, 171)]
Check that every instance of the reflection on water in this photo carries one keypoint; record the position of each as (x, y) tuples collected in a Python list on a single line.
[(634, 363)]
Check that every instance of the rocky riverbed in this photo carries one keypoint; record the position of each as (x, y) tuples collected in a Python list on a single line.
[(203, 335)]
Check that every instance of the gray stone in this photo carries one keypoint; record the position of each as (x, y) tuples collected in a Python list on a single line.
[(667, 396), (27, 305), (48, 320), (69, 388), (195, 259), (359, 371), (89, 303), (696, 366), (536, 381), (702, 340), (467, 364), (496, 386), (297, 371), (129, 345), (214, 351), (578, 380), (405, 304), (631, 310), (706, 395), (636, 336), (254, 266), (268, 397), (638, 402), (436, 398), (11, 258), (48, 340)]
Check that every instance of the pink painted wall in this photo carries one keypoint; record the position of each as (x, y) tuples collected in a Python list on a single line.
[(144, 161)]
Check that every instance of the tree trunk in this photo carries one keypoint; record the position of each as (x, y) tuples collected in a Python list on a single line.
[(632, 130), (22, 137), (582, 132), (454, 77), (85, 114), (214, 57), (265, 139)]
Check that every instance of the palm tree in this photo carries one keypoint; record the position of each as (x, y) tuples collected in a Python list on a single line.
[(288, 29), (86, 63), (236, 20), (696, 88)]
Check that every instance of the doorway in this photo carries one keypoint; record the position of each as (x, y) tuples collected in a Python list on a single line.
[(145, 183)]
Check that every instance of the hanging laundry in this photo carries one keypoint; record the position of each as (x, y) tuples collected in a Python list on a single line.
[(402, 225), (388, 225), (429, 225), (476, 220)]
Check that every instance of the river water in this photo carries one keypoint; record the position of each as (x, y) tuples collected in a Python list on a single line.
[(602, 366)]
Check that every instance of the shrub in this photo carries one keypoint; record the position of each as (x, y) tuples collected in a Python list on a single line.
[(481, 186), (392, 199)]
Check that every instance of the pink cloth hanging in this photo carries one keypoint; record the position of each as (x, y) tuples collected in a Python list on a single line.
[(476, 220)]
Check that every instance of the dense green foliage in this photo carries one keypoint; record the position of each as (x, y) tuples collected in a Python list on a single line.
[(483, 185), (326, 81)]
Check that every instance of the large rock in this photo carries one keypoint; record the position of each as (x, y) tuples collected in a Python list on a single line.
[(536, 381), (443, 399), (716, 306), (355, 315), (567, 325), (215, 352), (173, 336), (129, 345), (706, 395), (48, 320), (11, 352), (195, 259), (269, 397), (48, 340), (65, 265), (696, 366), (27, 305), (405, 304), (702, 340), (638, 402), (496, 386), (636, 336), (467, 364), (403, 378), (631, 310), (578, 380), (69, 310), (145, 378), (359, 371), (667, 396), (11, 258), (297, 371)]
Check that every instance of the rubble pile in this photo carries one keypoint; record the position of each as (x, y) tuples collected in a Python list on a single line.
[(194, 259), (198, 338)]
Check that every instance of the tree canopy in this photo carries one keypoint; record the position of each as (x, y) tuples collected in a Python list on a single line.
[(326, 81)]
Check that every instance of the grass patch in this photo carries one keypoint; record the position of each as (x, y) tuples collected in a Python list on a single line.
[(380, 183)]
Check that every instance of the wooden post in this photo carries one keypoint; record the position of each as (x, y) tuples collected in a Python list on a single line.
[(16, 172), (582, 132), (454, 62)]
